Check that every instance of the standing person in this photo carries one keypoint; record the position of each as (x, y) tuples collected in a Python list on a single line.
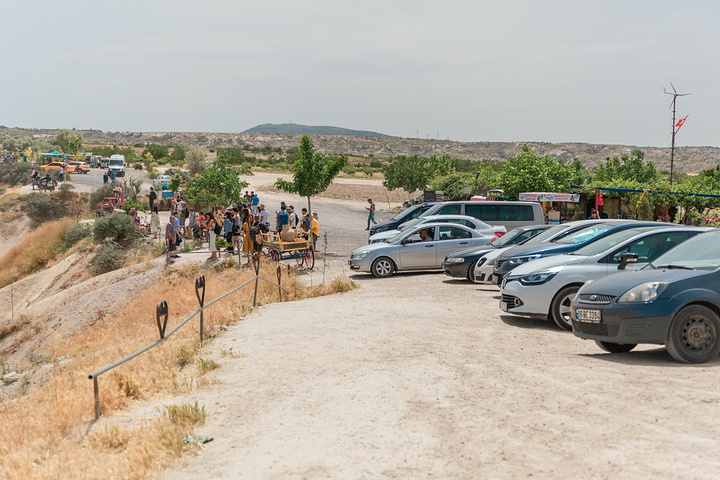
[(152, 196), (155, 222), (106, 178), (228, 231), (255, 202), (371, 213), (315, 227), (263, 215), (292, 217), (112, 177), (61, 177), (213, 228), (282, 218), (248, 245), (171, 239), (238, 225)]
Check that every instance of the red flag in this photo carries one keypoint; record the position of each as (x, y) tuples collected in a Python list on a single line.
[(681, 121), (600, 198)]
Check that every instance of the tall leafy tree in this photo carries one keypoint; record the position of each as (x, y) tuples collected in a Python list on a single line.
[(312, 172), (157, 151), (69, 141), (216, 185), (408, 173), (530, 172)]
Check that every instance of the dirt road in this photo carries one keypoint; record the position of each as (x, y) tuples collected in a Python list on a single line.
[(419, 376)]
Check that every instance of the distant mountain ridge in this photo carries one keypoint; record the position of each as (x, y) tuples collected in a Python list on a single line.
[(687, 159), (297, 129)]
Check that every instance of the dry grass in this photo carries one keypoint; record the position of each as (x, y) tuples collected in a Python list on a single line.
[(44, 434), (36, 250)]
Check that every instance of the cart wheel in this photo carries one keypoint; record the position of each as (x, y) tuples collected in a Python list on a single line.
[(310, 259), (299, 257)]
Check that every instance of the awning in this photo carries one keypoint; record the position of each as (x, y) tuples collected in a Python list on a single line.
[(549, 197)]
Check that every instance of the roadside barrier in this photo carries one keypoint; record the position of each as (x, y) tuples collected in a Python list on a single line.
[(161, 317)]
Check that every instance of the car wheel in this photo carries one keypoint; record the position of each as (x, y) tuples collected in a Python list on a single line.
[(382, 267), (560, 307), (615, 347), (693, 335), (471, 271)]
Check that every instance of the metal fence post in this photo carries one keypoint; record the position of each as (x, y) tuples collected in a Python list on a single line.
[(200, 284), (279, 275), (96, 388), (160, 311), (256, 264)]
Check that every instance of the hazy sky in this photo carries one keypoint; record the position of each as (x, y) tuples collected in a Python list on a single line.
[(514, 70)]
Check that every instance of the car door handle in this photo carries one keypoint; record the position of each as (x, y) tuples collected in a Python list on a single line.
[(463, 243), (429, 246)]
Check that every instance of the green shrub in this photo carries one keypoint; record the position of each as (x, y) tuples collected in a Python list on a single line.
[(97, 195), (110, 256), (117, 227), (16, 173), (76, 233), (42, 207)]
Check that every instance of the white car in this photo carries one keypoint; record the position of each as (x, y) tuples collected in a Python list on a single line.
[(161, 180), (546, 287), (470, 222)]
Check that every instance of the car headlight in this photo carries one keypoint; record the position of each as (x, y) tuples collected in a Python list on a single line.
[(455, 260), (538, 278), (645, 293), (360, 255), (525, 259)]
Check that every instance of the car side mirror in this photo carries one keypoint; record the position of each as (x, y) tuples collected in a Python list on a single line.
[(405, 241), (626, 258)]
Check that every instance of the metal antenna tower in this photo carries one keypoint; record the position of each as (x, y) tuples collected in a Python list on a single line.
[(675, 127)]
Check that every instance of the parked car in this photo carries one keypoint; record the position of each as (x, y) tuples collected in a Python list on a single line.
[(103, 163), (509, 213), (420, 248), (578, 235), (402, 217), (546, 287), (116, 165), (77, 167), (461, 263), (674, 301), (53, 166), (161, 181), (469, 222), (483, 271)]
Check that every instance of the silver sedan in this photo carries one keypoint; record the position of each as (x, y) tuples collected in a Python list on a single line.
[(419, 248)]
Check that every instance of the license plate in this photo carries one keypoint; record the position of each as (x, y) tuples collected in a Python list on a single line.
[(590, 316), (504, 306), (496, 279)]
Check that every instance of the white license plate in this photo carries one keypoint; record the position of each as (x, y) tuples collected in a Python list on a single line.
[(590, 316), (503, 306)]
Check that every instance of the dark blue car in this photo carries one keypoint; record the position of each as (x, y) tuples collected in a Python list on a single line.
[(673, 301), (578, 234)]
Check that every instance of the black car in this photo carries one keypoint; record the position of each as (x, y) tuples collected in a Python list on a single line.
[(462, 264), (674, 301), (402, 217), (577, 235)]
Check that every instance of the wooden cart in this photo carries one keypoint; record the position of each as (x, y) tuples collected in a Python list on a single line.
[(299, 249)]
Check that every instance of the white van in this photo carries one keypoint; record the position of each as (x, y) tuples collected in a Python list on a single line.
[(510, 214), (117, 164)]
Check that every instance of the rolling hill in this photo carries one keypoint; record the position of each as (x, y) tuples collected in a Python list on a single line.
[(297, 129)]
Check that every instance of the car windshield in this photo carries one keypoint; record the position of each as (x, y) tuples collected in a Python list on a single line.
[(116, 162), (411, 223), (546, 235), (408, 213), (584, 235), (604, 244), (508, 237), (702, 251)]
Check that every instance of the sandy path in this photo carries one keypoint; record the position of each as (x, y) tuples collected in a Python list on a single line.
[(401, 379)]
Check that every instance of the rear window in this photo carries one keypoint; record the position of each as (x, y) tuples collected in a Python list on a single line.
[(501, 212)]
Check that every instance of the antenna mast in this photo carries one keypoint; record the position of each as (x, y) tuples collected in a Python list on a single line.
[(675, 127)]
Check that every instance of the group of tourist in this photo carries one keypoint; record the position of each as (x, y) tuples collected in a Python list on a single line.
[(241, 226)]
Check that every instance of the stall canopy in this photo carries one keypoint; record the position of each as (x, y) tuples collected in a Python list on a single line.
[(549, 197)]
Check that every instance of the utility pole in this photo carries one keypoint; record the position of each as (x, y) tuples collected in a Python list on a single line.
[(675, 127)]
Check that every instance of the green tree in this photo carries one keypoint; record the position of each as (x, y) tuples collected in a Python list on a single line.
[(529, 172), (456, 185), (178, 153), (157, 151), (630, 167), (312, 172), (69, 141), (233, 156), (216, 185), (196, 160), (408, 173), (174, 184), (645, 209)]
